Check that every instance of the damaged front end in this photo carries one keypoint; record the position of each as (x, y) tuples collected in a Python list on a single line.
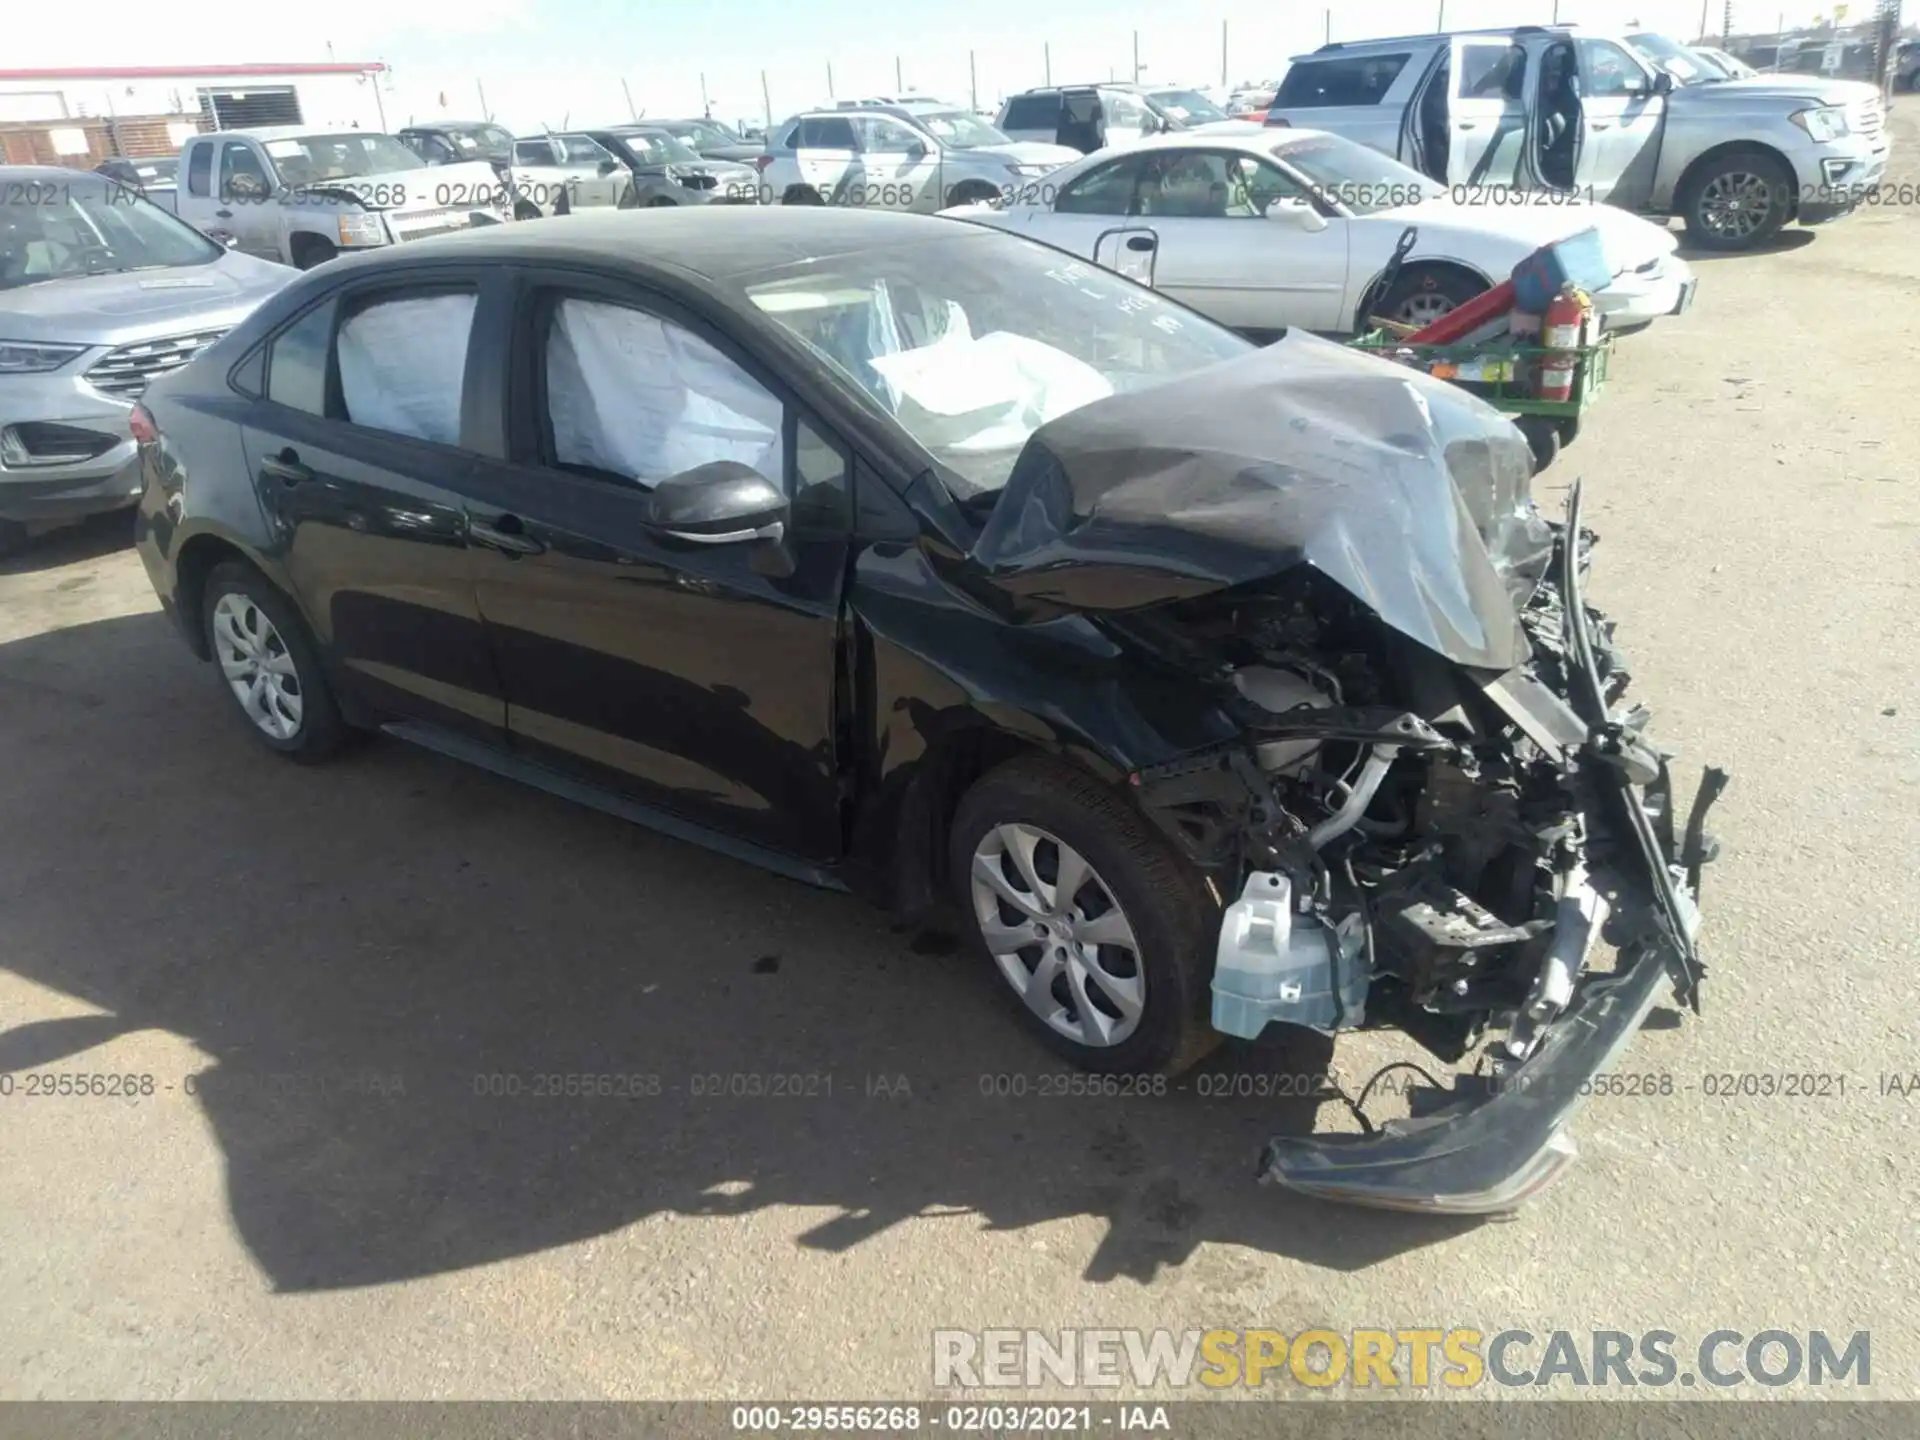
[(1439, 806), (1440, 850)]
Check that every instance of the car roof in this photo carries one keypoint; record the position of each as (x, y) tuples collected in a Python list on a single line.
[(287, 132), (451, 125), (1334, 49), (713, 242), (28, 174)]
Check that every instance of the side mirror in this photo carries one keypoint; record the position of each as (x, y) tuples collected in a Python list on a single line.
[(1663, 83), (917, 150), (720, 503), (1298, 213), (608, 166)]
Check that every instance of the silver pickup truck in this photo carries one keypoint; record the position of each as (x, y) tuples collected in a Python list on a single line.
[(303, 196), (1638, 120)]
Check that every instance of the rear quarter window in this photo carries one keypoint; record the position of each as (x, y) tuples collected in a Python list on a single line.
[(1339, 81)]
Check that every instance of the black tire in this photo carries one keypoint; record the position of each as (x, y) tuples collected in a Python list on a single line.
[(13, 538), (310, 251), (527, 210), (968, 191), (801, 195), (662, 201), (321, 731), (1544, 434), (1173, 920), (1714, 218), (561, 205), (1424, 293)]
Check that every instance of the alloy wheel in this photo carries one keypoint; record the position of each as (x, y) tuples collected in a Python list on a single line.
[(1058, 935), (1423, 308), (260, 670), (1735, 204)]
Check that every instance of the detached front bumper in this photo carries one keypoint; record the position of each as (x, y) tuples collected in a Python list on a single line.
[(1492, 1143)]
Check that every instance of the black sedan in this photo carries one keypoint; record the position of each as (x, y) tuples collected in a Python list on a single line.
[(1194, 681)]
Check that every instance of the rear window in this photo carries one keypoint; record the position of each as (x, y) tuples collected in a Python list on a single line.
[(1343, 80), (1032, 112)]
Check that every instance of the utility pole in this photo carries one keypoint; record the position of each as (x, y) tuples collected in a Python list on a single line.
[(830, 94), (766, 99), (706, 105), (485, 114), (900, 86), (1726, 25), (1046, 53), (1702, 31), (1223, 54), (631, 112), (1136, 57), (973, 84), (1440, 21), (1329, 15)]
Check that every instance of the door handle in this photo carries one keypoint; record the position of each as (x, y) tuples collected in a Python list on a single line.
[(286, 468), (505, 534), (1142, 242), (1467, 124), (1599, 124), (224, 214)]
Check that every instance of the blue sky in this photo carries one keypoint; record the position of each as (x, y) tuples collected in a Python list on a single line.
[(549, 62)]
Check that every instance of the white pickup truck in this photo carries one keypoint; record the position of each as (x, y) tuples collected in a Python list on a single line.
[(302, 196)]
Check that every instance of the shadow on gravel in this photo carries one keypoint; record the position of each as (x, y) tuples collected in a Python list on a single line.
[(385, 960), (1787, 240), (101, 535)]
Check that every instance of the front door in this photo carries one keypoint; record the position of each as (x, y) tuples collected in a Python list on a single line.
[(892, 176), (696, 677), (826, 154), (1487, 115), (1621, 118), (247, 210), (357, 455)]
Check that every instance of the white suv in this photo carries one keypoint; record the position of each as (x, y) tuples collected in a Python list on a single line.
[(920, 156)]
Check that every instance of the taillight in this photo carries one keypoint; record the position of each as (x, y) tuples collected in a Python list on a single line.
[(1279, 120), (140, 422), (761, 162)]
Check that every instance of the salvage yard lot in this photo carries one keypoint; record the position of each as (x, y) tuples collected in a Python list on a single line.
[(323, 970)]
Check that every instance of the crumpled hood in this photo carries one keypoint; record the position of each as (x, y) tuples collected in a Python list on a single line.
[(1407, 492)]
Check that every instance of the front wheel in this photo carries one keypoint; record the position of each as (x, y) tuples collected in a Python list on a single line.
[(1101, 937), (1737, 201), (270, 666), (1423, 294)]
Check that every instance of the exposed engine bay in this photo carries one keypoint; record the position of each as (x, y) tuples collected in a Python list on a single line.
[(1403, 840)]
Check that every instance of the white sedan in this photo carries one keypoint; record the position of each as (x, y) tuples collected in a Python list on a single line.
[(1296, 227)]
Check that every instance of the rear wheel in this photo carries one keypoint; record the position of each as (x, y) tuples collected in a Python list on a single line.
[(1424, 293), (801, 195), (526, 210), (1736, 201), (967, 192), (1101, 937), (270, 665)]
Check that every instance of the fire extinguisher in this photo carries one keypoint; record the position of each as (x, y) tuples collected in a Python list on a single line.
[(1560, 332)]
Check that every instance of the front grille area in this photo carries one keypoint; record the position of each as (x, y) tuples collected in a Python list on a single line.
[(126, 372), (418, 224), (1867, 119)]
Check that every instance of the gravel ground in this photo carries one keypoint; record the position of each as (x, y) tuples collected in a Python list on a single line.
[(176, 903)]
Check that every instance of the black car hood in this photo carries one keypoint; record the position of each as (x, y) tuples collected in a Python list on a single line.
[(1409, 493)]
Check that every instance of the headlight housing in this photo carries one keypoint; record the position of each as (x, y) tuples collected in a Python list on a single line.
[(1030, 172), (359, 227), (1822, 123), (28, 357)]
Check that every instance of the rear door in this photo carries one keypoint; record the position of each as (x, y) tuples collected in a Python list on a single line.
[(698, 678), (1621, 117), (891, 175), (828, 155), (356, 449), (1033, 117), (1487, 133)]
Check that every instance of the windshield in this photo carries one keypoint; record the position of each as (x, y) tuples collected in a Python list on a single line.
[(1357, 177), (961, 130), (660, 147), (1188, 107), (316, 159), (72, 228), (1684, 63), (701, 132), (972, 343), (481, 140)]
